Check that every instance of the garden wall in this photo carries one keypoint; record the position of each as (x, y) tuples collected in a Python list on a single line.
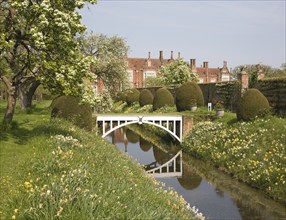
[(275, 91), (228, 92)]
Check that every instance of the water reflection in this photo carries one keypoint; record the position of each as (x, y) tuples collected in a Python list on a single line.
[(216, 195), (189, 180)]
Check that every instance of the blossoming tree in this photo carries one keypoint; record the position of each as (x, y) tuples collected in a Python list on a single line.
[(37, 41), (176, 73)]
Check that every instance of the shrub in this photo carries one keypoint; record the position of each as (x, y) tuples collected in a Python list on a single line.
[(121, 96), (252, 104), (69, 108), (132, 96), (185, 95), (162, 98), (145, 97)]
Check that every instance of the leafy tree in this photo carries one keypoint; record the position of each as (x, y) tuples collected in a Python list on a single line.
[(37, 41), (176, 73), (253, 71), (111, 53)]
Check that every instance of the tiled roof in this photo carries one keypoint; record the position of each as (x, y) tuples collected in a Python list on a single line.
[(143, 63), (211, 71)]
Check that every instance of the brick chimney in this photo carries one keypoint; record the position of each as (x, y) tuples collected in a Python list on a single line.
[(193, 63), (172, 55), (206, 64), (149, 55)]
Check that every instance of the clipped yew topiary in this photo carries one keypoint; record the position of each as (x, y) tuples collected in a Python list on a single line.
[(185, 95), (162, 98), (132, 96), (69, 108), (252, 104), (145, 97), (121, 96)]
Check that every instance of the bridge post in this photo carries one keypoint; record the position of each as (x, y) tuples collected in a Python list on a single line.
[(188, 124)]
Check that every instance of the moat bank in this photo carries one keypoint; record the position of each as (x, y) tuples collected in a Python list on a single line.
[(217, 195)]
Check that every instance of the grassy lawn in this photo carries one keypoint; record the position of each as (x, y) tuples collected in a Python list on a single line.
[(52, 170)]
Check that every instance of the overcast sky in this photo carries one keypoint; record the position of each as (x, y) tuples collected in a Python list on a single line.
[(239, 32)]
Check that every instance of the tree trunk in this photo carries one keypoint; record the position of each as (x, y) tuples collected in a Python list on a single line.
[(26, 93), (11, 100)]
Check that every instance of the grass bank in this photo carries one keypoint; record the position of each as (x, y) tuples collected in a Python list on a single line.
[(53, 170), (253, 152)]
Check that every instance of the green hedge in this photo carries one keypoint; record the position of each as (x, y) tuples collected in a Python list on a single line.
[(275, 91)]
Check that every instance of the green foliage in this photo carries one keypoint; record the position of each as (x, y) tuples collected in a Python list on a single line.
[(132, 96), (274, 89), (59, 171), (253, 104), (252, 152), (103, 102), (177, 73), (187, 93), (153, 82), (162, 98), (121, 96), (145, 98), (111, 53), (69, 108), (37, 40)]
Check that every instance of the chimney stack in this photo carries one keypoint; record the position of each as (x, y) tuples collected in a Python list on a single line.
[(172, 55), (193, 63), (161, 56), (149, 55), (179, 55), (206, 64), (224, 64)]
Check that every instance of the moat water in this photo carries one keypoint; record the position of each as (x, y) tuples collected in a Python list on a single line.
[(216, 195)]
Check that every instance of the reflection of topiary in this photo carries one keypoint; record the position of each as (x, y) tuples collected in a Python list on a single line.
[(162, 98), (252, 104), (69, 108), (145, 98), (189, 179), (132, 96), (132, 137), (145, 145), (185, 95)]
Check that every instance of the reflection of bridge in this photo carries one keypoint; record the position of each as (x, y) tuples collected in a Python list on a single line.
[(172, 168), (171, 124)]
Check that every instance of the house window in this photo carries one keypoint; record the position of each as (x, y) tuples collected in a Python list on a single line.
[(213, 80), (224, 78), (149, 74), (130, 75)]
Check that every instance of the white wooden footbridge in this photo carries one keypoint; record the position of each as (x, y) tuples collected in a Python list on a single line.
[(172, 124)]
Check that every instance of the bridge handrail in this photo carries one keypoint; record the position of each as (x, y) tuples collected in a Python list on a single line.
[(163, 165)]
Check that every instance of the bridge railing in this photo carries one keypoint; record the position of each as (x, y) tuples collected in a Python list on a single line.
[(172, 168)]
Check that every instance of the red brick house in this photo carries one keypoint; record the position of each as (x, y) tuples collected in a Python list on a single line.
[(141, 68)]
